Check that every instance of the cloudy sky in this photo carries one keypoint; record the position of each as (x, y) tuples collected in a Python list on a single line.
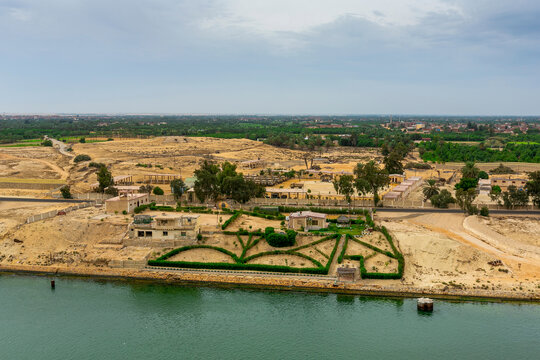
[(270, 56)]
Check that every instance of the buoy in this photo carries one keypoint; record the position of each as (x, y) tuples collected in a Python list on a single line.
[(424, 304), (52, 284)]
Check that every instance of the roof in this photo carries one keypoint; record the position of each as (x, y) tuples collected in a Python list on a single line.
[(127, 197), (276, 190), (343, 218), (302, 214), (165, 216)]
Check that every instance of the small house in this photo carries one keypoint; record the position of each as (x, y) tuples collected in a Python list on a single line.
[(307, 220), (125, 202)]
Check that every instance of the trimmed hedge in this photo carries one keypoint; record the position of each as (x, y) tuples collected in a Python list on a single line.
[(228, 266), (231, 219), (344, 249), (280, 240)]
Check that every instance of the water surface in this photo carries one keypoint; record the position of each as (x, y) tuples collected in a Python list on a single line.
[(86, 319)]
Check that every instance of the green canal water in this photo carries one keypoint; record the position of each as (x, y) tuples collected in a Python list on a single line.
[(86, 319)]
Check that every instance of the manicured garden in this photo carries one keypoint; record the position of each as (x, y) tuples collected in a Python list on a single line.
[(272, 249)]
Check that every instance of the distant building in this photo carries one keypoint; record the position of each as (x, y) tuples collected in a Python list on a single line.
[(125, 202), (308, 220), (504, 183)]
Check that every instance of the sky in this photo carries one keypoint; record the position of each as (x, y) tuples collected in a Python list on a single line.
[(436, 57)]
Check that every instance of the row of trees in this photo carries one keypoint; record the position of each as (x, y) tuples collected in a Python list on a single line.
[(368, 178), (439, 151)]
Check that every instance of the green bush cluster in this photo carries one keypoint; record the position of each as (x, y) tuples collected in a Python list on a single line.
[(96, 165), (81, 157), (141, 208), (280, 239)]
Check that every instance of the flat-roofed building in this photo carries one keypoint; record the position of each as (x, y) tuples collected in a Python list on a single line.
[(125, 202), (165, 230)]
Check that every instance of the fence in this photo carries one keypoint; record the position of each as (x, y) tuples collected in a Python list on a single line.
[(53, 213)]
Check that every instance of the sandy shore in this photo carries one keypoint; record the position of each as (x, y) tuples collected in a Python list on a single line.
[(279, 282)]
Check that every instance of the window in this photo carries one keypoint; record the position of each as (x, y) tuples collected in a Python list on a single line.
[(140, 233), (165, 233), (183, 233), (148, 234)]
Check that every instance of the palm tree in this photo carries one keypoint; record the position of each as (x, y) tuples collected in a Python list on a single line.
[(430, 189), (470, 170)]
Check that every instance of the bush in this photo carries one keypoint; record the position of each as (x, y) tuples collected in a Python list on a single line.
[(483, 175), (269, 230), (46, 143), (66, 192), (484, 211), (96, 164), (158, 191), (81, 157), (82, 140), (280, 239), (199, 237)]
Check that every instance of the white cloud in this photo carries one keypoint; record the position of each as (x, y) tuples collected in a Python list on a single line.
[(268, 17)]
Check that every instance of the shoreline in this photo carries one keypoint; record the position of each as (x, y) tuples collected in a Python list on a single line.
[(281, 283)]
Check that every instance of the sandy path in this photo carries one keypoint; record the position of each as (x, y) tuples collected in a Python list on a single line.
[(63, 173)]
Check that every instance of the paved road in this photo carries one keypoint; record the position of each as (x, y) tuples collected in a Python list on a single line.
[(24, 199), (457, 211)]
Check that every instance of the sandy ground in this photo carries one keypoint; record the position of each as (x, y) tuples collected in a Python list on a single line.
[(448, 250)]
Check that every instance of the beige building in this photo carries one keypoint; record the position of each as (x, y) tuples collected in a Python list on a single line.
[(165, 230), (125, 202), (504, 183), (307, 220)]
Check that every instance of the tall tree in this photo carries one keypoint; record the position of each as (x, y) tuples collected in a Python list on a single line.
[(465, 199), (370, 178), (393, 164), (470, 170), (344, 185), (533, 187), (430, 189), (105, 179), (178, 187), (207, 185)]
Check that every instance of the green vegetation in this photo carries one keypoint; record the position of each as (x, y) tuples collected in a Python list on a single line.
[(242, 262), (81, 157), (66, 192), (231, 219), (501, 169), (370, 178), (438, 151), (178, 187), (158, 191), (216, 182), (47, 143)]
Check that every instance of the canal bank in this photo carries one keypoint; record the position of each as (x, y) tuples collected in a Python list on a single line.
[(389, 288)]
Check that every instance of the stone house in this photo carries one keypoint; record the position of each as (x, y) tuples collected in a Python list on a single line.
[(308, 220), (165, 230)]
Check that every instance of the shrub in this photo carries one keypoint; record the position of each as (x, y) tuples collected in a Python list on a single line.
[(199, 237), (46, 143), (82, 140), (483, 175), (81, 157), (158, 191), (269, 230), (96, 164), (124, 212), (66, 192), (281, 239), (484, 211)]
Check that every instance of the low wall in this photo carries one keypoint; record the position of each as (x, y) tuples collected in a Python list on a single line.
[(29, 186), (53, 213)]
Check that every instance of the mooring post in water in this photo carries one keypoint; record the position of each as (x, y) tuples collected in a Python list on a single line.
[(424, 304), (52, 284)]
